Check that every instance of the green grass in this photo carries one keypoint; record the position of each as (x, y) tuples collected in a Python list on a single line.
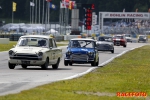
[(128, 73), (5, 47)]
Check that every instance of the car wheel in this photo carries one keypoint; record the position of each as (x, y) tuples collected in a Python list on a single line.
[(70, 63), (65, 62), (56, 65), (45, 65), (97, 63), (11, 66), (93, 63), (24, 66), (112, 51), (125, 46)]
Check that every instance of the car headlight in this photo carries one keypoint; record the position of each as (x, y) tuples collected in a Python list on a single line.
[(69, 53), (91, 53), (40, 54), (11, 53)]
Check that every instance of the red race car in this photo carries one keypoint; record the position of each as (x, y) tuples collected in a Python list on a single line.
[(120, 40)]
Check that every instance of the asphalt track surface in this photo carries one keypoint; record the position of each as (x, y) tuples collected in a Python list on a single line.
[(18, 79)]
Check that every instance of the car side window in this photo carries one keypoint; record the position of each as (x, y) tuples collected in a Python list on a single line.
[(54, 44), (69, 45), (50, 43)]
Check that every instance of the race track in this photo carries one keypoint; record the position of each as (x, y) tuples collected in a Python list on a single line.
[(18, 79)]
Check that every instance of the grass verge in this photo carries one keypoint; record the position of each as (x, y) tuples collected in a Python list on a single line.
[(128, 73), (6, 47)]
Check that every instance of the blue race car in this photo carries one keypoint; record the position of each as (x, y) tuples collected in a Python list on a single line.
[(81, 51)]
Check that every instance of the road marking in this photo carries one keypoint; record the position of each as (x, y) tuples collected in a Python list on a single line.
[(102, 64)]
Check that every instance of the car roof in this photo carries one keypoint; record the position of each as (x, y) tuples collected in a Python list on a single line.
[(127, 34), (142, 35), (83, 39), (118, 35), (105, 36), (40, 36)]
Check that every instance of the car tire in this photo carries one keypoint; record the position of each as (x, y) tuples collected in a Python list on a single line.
[(93, 63), (65, 62), (24, 66), (45, 65), (70, 63), (97, 63), (125, 46), (11, 66), (112, 51), (56, 65)]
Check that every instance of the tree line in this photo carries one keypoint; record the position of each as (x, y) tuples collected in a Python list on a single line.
[(23, 7)]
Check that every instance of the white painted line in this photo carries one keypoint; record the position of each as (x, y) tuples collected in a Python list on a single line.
[(104, 63)]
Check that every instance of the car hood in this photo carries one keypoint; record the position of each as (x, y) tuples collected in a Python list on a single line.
[(104, 42), (31, 50), (81, 50), (128, 37)]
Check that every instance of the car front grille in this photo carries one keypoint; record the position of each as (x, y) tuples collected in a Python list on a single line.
[(79, 57), (23, 56), (103, 46)]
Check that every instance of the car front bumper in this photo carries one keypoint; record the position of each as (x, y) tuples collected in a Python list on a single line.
[(129, 40), (105, 47), (26, 62), (79, 58), (119, 43)]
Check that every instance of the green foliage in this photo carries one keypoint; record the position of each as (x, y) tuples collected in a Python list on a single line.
[(23, 7)]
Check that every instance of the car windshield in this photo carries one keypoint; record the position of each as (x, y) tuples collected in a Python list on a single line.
[(141, 36), (33, 42), (107, 39), (81, 44), (127, 35), (118, 37)]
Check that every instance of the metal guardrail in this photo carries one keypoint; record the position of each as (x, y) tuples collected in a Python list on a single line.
[(15, 37)]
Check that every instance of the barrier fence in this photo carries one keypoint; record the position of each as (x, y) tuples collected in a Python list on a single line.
[(15, 37)]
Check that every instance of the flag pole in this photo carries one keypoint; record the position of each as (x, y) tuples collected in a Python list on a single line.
[(60, 18), (43, 13), (12, 16), (48, 12), (30, 14), (39, 11), (33, 13), (46, 16)]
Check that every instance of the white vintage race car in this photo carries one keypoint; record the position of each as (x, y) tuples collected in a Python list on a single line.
[(35, 50)]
